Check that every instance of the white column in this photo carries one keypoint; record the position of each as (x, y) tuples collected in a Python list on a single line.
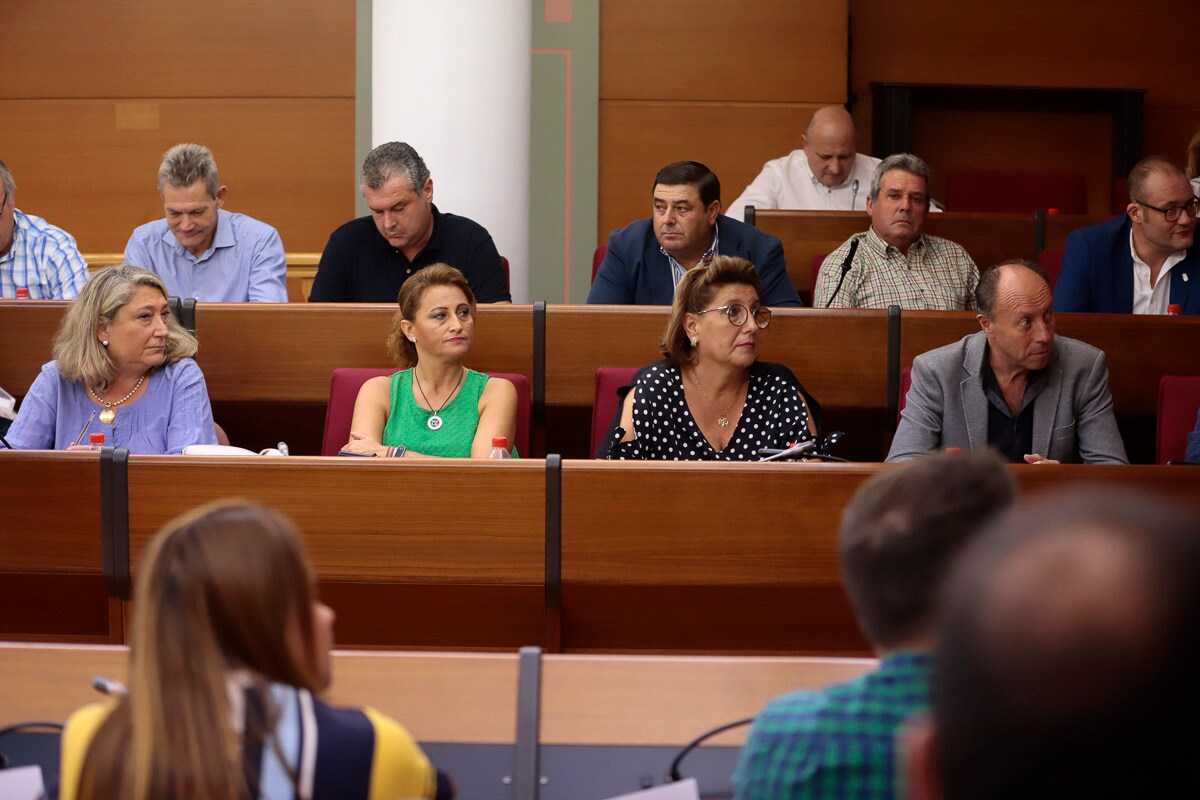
[(452, 78)]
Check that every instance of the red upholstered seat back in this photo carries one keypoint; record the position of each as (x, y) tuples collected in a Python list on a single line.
[(597, 259), (608, 380), (343, 391), (1178, 401), (1014, 191), (905, 385), (1051, 263)]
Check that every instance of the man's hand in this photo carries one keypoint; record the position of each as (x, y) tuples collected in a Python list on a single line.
[(1038, 458)]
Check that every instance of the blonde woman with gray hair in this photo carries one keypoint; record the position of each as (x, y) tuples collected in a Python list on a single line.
[(122, 367)]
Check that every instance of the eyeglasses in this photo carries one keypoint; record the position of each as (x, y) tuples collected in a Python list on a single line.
[(737, 314), (1171, 213)]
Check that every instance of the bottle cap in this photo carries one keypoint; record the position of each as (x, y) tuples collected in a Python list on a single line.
[(22, 293), (1173, 308), (1052, 211), (500, 441), (96, 438), (953, 449)]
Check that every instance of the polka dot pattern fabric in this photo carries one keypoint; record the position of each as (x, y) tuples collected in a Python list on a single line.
[(774, 416)]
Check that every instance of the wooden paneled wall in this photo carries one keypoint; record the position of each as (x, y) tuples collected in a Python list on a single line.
[(96, 92), (728, 84), (1075, 43)]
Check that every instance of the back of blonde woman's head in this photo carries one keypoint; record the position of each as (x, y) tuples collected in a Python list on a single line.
[(402, 351), (695, 292), (226, 586), (77, 349)]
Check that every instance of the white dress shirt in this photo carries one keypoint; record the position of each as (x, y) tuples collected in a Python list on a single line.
[(1147, 300), (788, 182)]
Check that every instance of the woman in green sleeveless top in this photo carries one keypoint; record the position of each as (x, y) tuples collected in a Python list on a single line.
[(437, 408)]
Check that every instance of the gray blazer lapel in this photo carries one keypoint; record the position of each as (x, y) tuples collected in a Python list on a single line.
[(974, 401), (1045, 408)]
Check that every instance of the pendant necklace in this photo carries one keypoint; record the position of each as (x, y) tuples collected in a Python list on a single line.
[(723, 420), (109, 415), (435, 421)]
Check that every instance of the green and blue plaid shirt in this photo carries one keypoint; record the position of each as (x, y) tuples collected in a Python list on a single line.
[(837, 743)]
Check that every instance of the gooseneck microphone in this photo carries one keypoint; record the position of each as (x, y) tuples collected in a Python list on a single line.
[(847, 263), (853, 193)]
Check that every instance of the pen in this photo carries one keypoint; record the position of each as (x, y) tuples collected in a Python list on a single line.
[(83, 432)]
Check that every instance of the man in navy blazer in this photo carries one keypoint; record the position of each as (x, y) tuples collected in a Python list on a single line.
[(646, 259), (1144, 261)]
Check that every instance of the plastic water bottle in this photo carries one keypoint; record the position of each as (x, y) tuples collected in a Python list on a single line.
[(1173, 309), (499, 447), (96, 440), (22, 293)]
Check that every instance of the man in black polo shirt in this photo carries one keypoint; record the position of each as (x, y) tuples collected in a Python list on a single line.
[(369, 258)]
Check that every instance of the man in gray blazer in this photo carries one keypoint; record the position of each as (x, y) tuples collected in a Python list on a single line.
[(1014, 386)]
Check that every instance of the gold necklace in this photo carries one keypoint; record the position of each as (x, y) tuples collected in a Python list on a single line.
[(723, 420), (108, 416)]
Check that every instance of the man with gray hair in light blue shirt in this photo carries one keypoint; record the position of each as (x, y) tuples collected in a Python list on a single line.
[(201, 250)]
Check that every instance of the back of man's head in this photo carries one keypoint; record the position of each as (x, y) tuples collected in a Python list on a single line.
[(691, 173), (902, 532), (1067, 654)]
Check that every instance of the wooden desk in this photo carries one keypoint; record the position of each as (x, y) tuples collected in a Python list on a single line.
[(666, 701), (418, 554), (264, 353), (839, 355), (51, 583), (27, 329), (439, 697), (1139, 349), (692, 557), (989, 238)]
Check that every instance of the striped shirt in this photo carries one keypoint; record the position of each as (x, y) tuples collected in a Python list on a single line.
[(837, 743), (935, 275), (43, 259)]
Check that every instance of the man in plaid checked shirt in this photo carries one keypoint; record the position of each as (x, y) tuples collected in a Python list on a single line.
[(900, 535), (894, 263), (34, 254)]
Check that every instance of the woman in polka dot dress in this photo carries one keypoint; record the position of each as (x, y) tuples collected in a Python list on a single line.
[(711, 399)]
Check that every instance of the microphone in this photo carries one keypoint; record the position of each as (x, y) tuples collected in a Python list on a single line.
[(853, 193), (794, 450), (108, 686), (673, 775), (847, 263)]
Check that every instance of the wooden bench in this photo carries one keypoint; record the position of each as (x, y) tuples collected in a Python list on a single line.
[(51, 550), (301, 270), (1139, 349), (586, 555), (737, 557), (460, 698), (419, 554), (839, 355), (989, 238)]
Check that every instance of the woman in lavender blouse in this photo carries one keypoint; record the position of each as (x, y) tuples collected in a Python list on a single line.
[(124, 363)]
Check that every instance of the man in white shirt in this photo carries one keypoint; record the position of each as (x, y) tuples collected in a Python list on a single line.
[(826, 174)]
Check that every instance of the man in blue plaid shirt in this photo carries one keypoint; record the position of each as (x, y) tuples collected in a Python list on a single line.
[(900, 535), (34, 254)]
